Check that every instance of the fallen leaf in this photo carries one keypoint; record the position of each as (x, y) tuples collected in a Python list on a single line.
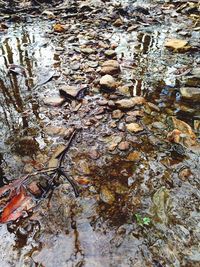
[(16, 207), (59, 28)]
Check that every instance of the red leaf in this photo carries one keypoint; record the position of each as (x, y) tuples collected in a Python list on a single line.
[(16, 207)]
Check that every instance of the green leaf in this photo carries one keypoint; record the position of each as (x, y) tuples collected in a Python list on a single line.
[(142, 221), (146, 220)]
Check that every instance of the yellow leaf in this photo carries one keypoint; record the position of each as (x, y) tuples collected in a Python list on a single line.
[(59, 28)]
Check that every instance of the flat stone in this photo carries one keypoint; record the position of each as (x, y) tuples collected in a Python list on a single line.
[(134, 127), (124, 90), (184, 174), (110, 67), (94, 154), (117, 114), (75, 66), (125, 103), (83, 167), (93, 64), (159, 125), (111, 103), (58, 131), (121, 126), (153, 107), (124, 146), (183, 127), (110, 53), (54, 101), (177, 45), (69, 91), (132, 28), (102, 102), (107, 82), (87, 50), (135, 113), (190, 93), (130, 102), (130, 119)]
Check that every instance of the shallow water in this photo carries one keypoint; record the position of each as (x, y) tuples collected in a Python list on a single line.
[(87, 231)]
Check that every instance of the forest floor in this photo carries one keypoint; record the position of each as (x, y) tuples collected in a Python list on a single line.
[(119, 83)]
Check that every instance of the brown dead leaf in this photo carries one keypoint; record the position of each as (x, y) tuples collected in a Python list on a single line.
[(59, 27)]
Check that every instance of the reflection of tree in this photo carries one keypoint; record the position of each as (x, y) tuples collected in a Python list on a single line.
[(16, 89)]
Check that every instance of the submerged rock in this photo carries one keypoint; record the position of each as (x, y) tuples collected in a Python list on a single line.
[(54, 101), (117, 114), (110, 53), (134, 156), (106, 195), (190, 93), (124, 146), (183, 127), (130, 102), (134, 127), (69, 91), (177, 45), (161, 206), (182, 133), (83, 167), (107, 82), (110, 67)]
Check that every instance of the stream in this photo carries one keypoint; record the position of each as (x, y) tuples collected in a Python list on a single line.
[(124, 177)]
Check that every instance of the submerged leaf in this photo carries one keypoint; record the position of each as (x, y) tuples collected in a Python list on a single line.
[(16, 207)]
